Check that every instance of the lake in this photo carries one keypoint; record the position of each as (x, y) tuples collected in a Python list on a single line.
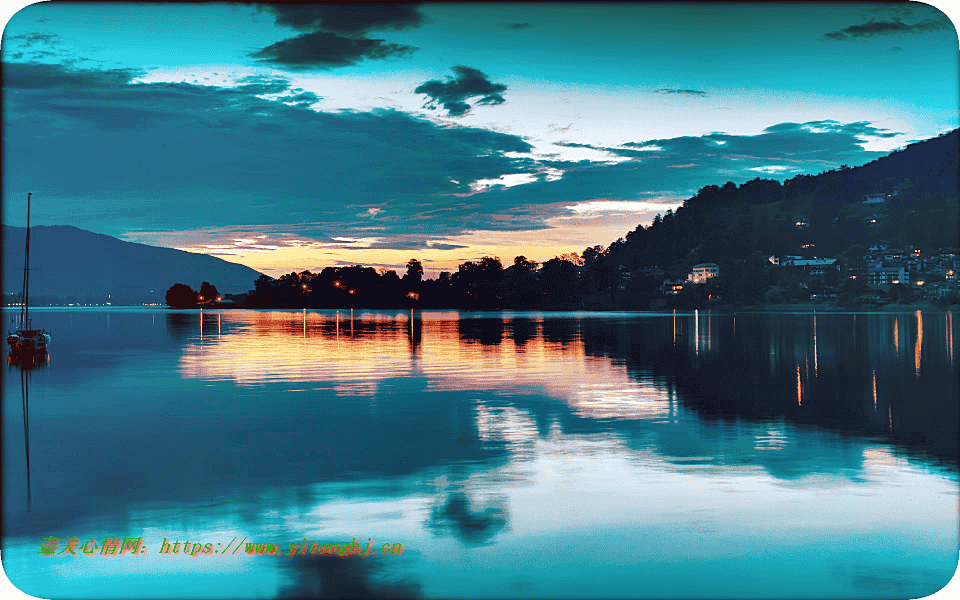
[(483, 455)]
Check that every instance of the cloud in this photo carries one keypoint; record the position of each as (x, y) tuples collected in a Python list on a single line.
[(258, 85), (26, 40), (453, 93), (336, 34), (859, 128), (683, 92), (168, 156), (38, 76), (301, 98), (38, 46), (891, 26), (518, 26), (327, 50), (223, 164), (347, 19)]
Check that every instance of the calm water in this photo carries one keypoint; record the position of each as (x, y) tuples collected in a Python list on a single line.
[(512, 455)]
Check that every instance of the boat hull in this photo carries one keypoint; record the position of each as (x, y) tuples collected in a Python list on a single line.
[(28, 343)]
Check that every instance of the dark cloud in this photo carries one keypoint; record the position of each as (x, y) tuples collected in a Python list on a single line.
[(579, 145), (336, 34), (257, 85), (684, 92), (326, 50), (891, 26), (170, 157), (709, 159), (518, 25), (453, 93), (26, 40), (350, 19), (165, 156), (38, 76), (301, 98)]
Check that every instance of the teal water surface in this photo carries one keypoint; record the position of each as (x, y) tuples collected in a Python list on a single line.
[(541, 455)]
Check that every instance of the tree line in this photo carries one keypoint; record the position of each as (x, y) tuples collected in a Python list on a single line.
[(736, 227)]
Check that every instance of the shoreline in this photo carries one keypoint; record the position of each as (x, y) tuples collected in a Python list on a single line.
[(726, 308)]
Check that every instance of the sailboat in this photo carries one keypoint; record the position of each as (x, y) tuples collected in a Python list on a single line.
[(26, 342)]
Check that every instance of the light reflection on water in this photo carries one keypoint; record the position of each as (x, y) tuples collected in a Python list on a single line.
[(524, 454)]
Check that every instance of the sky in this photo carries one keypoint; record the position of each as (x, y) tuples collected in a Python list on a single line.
[(295, 137)]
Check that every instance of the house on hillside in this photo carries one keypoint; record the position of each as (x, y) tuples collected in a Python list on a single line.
[(883, 276), (816, 266), (893, 254), (671, 287), (875, 198), (703, 272)]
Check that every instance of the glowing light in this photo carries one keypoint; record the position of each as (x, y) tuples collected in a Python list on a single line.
[(799, 388), (815, 363), (874, 390), (696, 330), (896, 335), (918, 347), (950, 336)]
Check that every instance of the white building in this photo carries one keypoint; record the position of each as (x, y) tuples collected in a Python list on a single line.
[(888, 276), (703, 272)]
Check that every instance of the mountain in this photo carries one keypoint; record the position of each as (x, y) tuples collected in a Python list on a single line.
[(95, 268), (728, 223)]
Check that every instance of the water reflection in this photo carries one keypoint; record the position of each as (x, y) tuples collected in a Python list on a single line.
[(839, 368), (456, 514), (324, 576), (475, 437)]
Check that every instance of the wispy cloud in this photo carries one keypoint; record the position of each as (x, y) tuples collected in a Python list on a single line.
[(890, 26), (26, 40), (683, 92)]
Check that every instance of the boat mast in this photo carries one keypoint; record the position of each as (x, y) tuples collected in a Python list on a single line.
[(25, 296)]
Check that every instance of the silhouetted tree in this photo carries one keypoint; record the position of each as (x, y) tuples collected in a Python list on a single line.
[(414, 271), (208, 292), (181, 295)]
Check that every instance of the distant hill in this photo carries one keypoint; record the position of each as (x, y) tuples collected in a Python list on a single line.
[(89, 267)]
